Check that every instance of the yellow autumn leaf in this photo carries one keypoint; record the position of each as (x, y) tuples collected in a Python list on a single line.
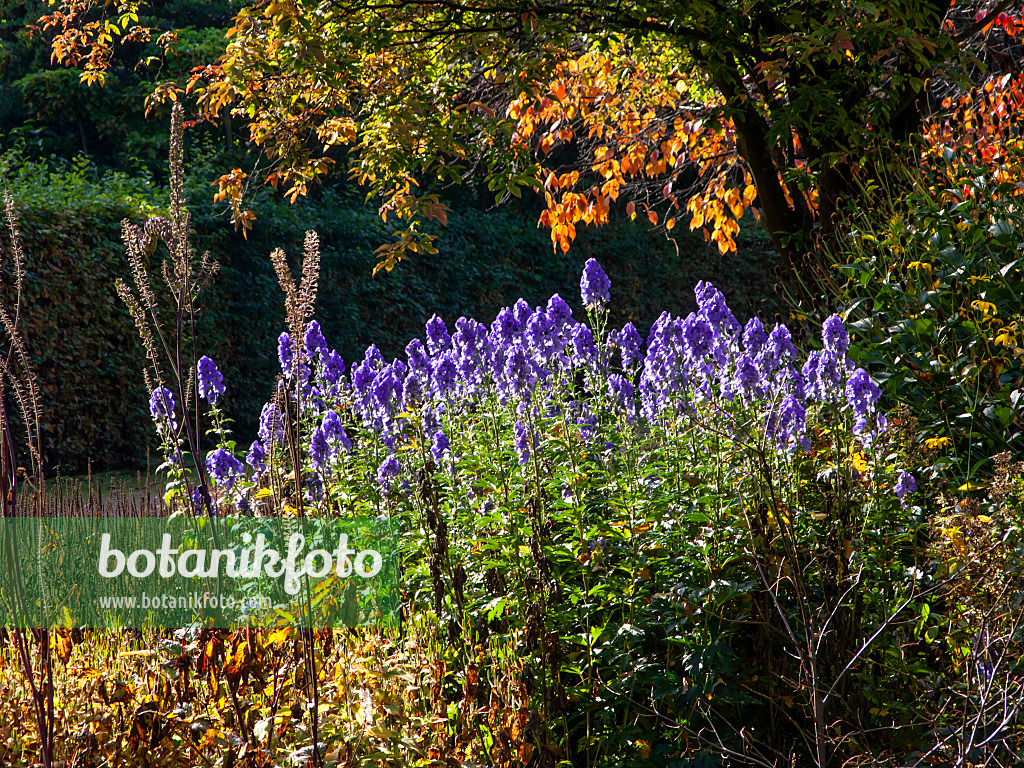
[(859, 463), (279, 636), (953, 534)]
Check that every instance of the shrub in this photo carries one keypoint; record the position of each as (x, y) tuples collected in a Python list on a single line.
[(931, 284), (668, 541), (487, 261)]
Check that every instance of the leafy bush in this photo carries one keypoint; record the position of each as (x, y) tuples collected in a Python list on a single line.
[(931, 282), (978, 546), (615, 520)]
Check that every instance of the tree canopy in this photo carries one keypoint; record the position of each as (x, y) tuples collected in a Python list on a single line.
[(707, 108)]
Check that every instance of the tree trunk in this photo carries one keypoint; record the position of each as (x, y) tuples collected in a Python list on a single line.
[(778, 217)]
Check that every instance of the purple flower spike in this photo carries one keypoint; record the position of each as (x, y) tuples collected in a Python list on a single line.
[(438, 339), (519, 375), (522, 312), (522, 442), (595, 286), (542, 335), (373, 357), (587, 424), (199, 501), (316, 344), (746, 378), (506, 327), (223, 467), (331, 425), (834, 336), (211, 382), (779, 349), (387, 471), (622, 390), (334, 367), (754, 337), (445, 375), (790, 425), (905, 486), (362, 377), (257, 456), (585, 351), (285, 353), (440, 447), (698, 336), (712, 306), (161, 408), (319, 449), (412, 393), (559, 312), (271, 425), (862, 393), (416, 354), (344, 440), (630, 344)]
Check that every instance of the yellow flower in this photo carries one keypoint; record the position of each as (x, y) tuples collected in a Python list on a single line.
[(1007, 336), (987, 308)]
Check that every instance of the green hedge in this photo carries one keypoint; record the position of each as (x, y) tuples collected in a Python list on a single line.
[(80, 339), (89, 360)]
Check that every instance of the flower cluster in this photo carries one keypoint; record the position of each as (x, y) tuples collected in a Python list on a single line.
[(905, 486), (211, 381), (223, 467), (161, 408), (542, 368), (595, 287)]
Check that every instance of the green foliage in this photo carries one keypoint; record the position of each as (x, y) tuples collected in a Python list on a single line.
[(79, 185), (933, 283), (79, 338), (47, 112)]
